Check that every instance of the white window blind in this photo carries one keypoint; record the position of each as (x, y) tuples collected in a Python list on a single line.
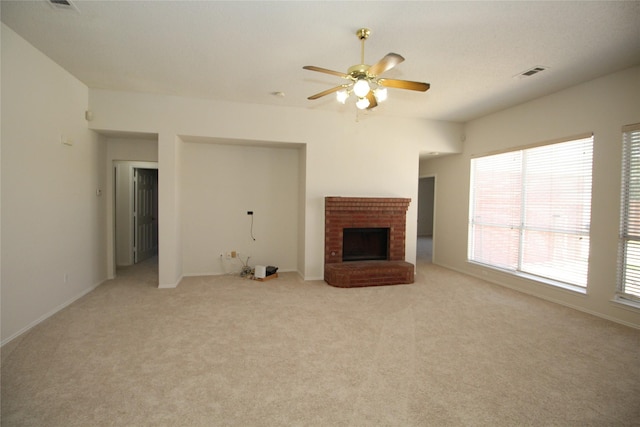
[(629, 255), (530, 211)]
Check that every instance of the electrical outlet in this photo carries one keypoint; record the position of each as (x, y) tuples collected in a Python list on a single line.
[(249, 212), (228, 256)]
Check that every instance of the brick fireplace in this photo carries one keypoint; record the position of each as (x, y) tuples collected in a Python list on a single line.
[(366, 213)]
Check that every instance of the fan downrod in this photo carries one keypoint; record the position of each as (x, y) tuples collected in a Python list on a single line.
[(363, 34)]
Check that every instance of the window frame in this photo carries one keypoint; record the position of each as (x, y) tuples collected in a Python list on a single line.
[(629, 148), (522, 226)]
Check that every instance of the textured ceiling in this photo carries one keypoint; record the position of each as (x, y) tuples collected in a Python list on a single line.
[(244, 51)]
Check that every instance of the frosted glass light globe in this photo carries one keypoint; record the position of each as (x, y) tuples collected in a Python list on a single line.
[(362, 103), (342, 96), (361, 88), (380, 94)]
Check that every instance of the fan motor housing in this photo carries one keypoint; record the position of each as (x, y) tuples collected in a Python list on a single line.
[(358, 71)]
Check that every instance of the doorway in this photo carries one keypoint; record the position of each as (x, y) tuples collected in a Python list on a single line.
[(136, 212), (426, 203), (145, 214)]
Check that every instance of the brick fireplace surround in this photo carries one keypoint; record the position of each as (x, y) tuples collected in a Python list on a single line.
[(366, 212)]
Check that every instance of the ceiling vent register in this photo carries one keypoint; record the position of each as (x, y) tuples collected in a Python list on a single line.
[(63, 5), (530, 72)]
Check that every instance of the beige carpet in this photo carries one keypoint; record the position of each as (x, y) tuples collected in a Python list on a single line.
[(449, 350)]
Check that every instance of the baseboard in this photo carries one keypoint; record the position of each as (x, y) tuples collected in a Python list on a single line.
[(211, 273), (50, 313), (171, 285), (235, 273)]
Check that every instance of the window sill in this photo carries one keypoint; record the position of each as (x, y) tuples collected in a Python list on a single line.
[(537, 279), (626, 303), (554, 283)]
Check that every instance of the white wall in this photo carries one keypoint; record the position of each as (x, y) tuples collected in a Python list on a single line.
[(374, 157), (53, 234), (220, 183), (132, 149), (601, 106)]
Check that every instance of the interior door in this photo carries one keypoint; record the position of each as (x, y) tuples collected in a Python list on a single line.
[(145, 213)]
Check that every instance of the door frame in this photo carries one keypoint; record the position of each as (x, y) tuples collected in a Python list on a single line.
[(127, 209), (136, 212), (433, 216)]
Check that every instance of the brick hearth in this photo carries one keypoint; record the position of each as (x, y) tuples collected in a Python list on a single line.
[(365, 212)]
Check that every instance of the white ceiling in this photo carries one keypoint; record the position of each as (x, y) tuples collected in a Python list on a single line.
[(244, 51)]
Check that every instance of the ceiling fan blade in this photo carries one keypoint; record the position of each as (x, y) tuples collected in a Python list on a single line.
[(404, 84), (324, 70), (388, 62), (373, 103), (326, 92)]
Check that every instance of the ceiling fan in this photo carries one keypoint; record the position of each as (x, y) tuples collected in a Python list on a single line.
[(365, 81)]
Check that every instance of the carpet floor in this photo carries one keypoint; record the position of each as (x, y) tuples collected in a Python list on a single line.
[(448, 350)]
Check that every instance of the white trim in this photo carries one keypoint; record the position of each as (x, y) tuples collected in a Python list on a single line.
[(171, 285), (233, 273), (50, 313), (626, 303), (534, 278), (631, 128), (536, 144)]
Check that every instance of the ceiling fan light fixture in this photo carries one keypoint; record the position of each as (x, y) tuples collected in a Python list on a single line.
[(380, 94), (365, 81), (342, 96), (361, 88), (362, 103)]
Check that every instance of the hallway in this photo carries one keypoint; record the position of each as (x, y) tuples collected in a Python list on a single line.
[(144, 273), (424, 250)]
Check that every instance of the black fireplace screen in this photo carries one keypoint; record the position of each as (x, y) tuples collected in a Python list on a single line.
[(360, 244)]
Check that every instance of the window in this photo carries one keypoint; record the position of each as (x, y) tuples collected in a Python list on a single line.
[(530, 212), (629, 254)]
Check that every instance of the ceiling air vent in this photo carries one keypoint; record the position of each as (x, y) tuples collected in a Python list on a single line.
[(530, 72), (63, 5)]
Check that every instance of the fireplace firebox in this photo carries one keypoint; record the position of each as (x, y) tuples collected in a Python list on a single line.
[(365, 244)]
